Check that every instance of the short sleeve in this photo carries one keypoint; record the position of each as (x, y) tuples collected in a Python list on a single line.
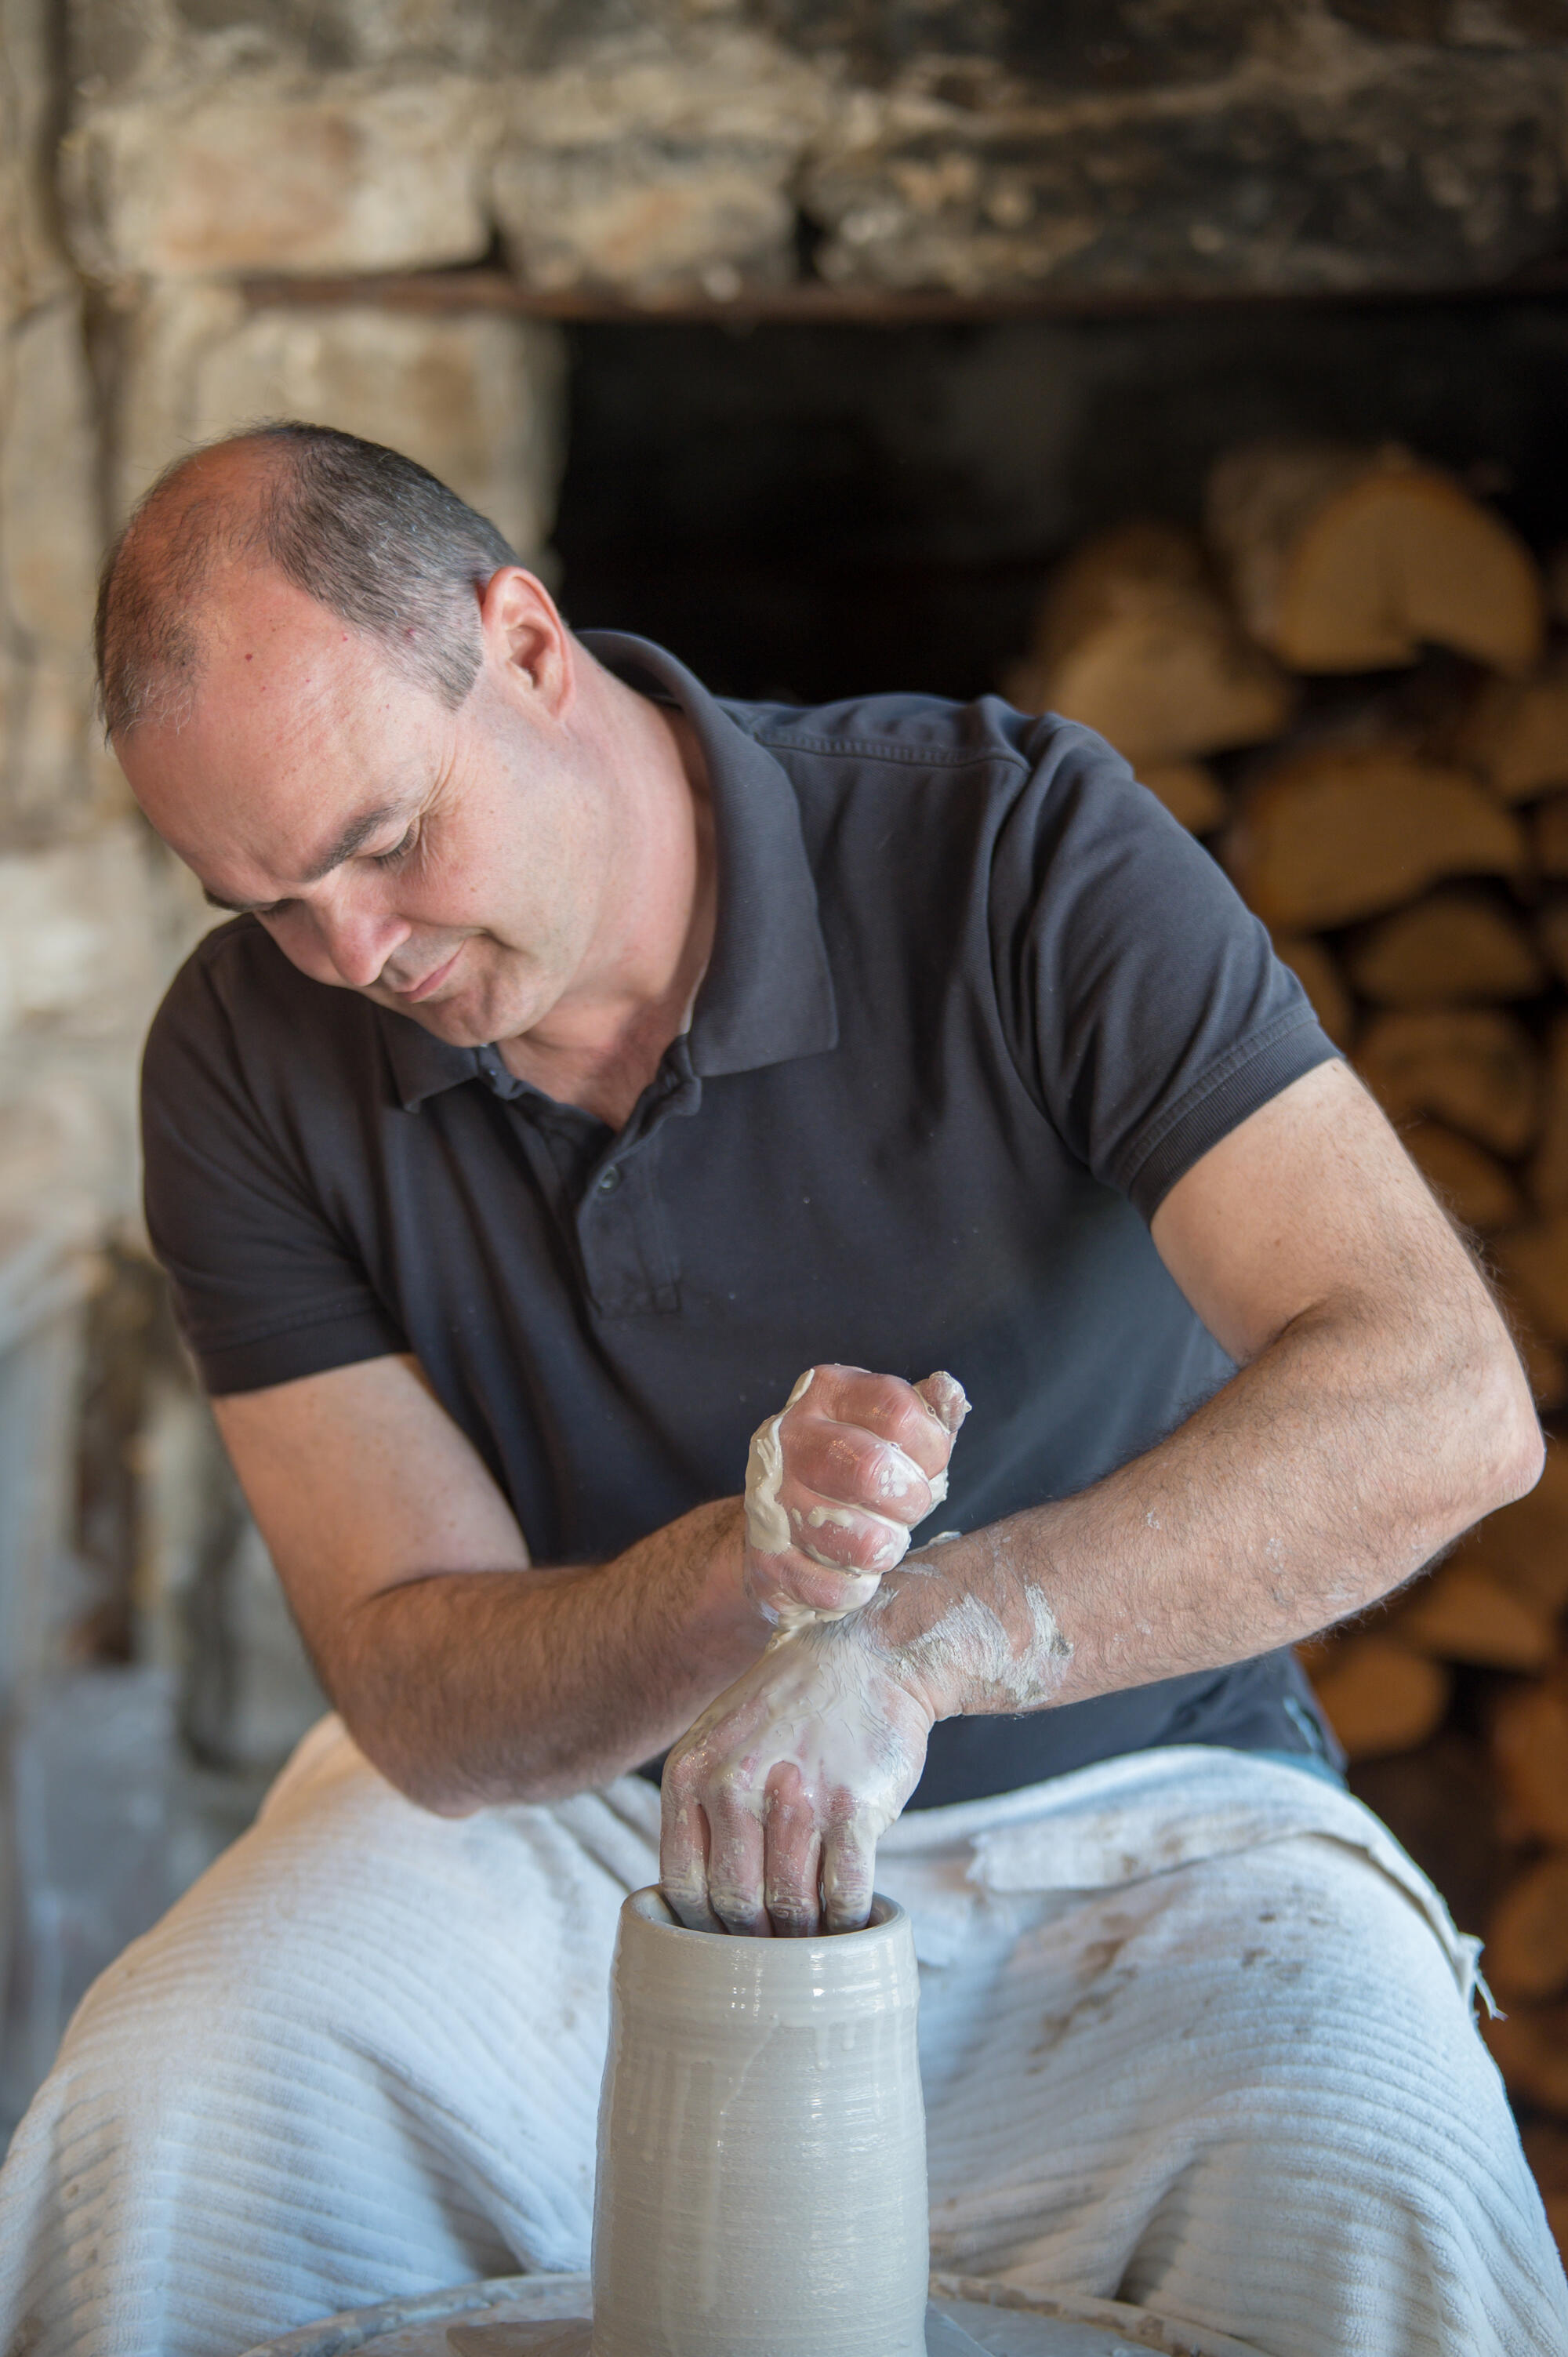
[(1142, 1000), (266, 1286)]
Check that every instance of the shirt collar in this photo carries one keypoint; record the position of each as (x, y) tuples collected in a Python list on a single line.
[(767, 995)]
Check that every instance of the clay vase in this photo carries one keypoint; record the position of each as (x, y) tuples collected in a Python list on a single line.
[(761, 2184)]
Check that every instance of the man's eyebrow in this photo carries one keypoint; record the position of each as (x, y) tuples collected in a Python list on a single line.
[(357, 832)]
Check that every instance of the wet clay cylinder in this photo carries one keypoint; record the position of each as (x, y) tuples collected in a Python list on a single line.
[(761, 2184)]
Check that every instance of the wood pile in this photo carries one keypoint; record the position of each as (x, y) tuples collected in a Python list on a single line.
[(1347, 684)]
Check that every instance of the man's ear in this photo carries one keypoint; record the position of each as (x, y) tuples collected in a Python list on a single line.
[(526, 640)]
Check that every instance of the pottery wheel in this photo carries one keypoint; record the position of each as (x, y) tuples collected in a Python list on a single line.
[(547, 2315)]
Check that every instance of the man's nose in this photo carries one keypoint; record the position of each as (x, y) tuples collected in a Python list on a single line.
[(357, 940)]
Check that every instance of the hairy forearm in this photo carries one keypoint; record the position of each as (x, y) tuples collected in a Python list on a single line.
[(468, 1688), (1322, 1475)]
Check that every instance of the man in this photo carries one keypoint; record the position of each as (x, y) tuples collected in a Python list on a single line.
[(588, 1059)]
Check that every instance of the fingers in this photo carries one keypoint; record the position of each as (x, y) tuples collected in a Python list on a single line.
[(683, 1863), (849, 1493), (946, 1398), (895, 1411), (737, 1844), (840, 1534), (792, 1869), (848, 1868), (782, 1584), (775, 1874), (850, 1464)]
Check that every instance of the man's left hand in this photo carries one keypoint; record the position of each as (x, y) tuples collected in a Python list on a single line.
[(775, 1801)]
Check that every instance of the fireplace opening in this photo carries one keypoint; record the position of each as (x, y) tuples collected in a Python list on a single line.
[(811, 511)]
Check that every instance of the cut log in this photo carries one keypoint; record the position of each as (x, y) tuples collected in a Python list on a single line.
[(1314, 968), (1516, 734), (1315, 1654), (1460, 1613), (1549, 1164), (1380, 1698), (1353, 560), (1467, 1181), (1529, 1749), (1545, 1368), (1556, 2208), (1532, 1269), (1190, 790), (1525, 1545), (1550, 837), (1529, 2046), (1472, 1066), (1135, 639), (1557, 584), (1546, 2149), (1527, 1940), (1333, 834), (1552, 933), (1440, 1803), (1454, 947)]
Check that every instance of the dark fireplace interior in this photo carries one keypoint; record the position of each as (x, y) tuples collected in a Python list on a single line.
[(808, 511)]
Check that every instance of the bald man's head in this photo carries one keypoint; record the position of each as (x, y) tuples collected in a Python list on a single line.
[(366, 533)]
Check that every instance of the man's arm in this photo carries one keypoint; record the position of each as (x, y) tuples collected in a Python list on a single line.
[(1380, 1410), (469, 1676)]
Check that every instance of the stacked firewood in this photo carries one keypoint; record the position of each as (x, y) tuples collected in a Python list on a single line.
[(1346, 685)]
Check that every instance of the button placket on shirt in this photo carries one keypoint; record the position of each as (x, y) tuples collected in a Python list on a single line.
[(623, 1239), (622, 1234)]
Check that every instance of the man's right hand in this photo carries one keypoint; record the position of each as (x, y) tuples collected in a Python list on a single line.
[(837, 1481)]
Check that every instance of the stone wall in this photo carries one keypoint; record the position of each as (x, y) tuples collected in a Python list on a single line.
[(1129, 144), (179, 178)]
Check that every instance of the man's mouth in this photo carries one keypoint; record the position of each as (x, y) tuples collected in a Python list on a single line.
[(414, 991)]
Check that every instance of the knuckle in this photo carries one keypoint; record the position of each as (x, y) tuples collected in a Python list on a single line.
[(902, 1488), (791, 1915), (917, 1432)]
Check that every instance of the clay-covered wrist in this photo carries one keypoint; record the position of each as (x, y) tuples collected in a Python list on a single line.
[(969, 1642), (903, 1623)]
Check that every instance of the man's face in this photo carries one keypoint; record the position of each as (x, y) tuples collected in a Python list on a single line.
[(446, 864)]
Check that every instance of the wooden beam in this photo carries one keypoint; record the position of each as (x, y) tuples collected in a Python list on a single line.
[(812, 302)]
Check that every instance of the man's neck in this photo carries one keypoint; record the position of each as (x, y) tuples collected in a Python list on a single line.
[(602, 1044)]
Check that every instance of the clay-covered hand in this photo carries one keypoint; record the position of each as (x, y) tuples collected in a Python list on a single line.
[(835, 1482), (775, 1799)]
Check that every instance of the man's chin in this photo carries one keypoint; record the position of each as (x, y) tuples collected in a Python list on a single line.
[(459, 1025), (474, 1018)]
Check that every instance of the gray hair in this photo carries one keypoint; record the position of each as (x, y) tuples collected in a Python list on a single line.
[(364, 531)]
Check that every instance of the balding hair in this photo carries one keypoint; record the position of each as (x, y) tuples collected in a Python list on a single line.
[(365, 531)]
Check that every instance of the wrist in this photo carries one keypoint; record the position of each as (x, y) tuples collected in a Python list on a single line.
[(970, 1640), (912, 1622), (723, 1613)]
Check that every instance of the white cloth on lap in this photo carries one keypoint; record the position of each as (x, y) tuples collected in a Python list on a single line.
[(1195, 2033)]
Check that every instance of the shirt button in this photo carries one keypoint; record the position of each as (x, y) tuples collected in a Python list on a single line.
[(609, 1179)]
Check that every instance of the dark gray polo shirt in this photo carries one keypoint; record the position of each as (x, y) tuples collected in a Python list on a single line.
[(975, 1003)]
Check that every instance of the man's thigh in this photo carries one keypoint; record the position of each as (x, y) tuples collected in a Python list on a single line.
[(1246, 2093), (360, 2057)]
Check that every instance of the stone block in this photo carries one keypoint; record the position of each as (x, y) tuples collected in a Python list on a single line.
[(662, 157), (33, 265), (83, 934), (50, 532), (683, 75), (1358, 169), (54, 774), (266, 176), (477, 399), (640, 217)]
